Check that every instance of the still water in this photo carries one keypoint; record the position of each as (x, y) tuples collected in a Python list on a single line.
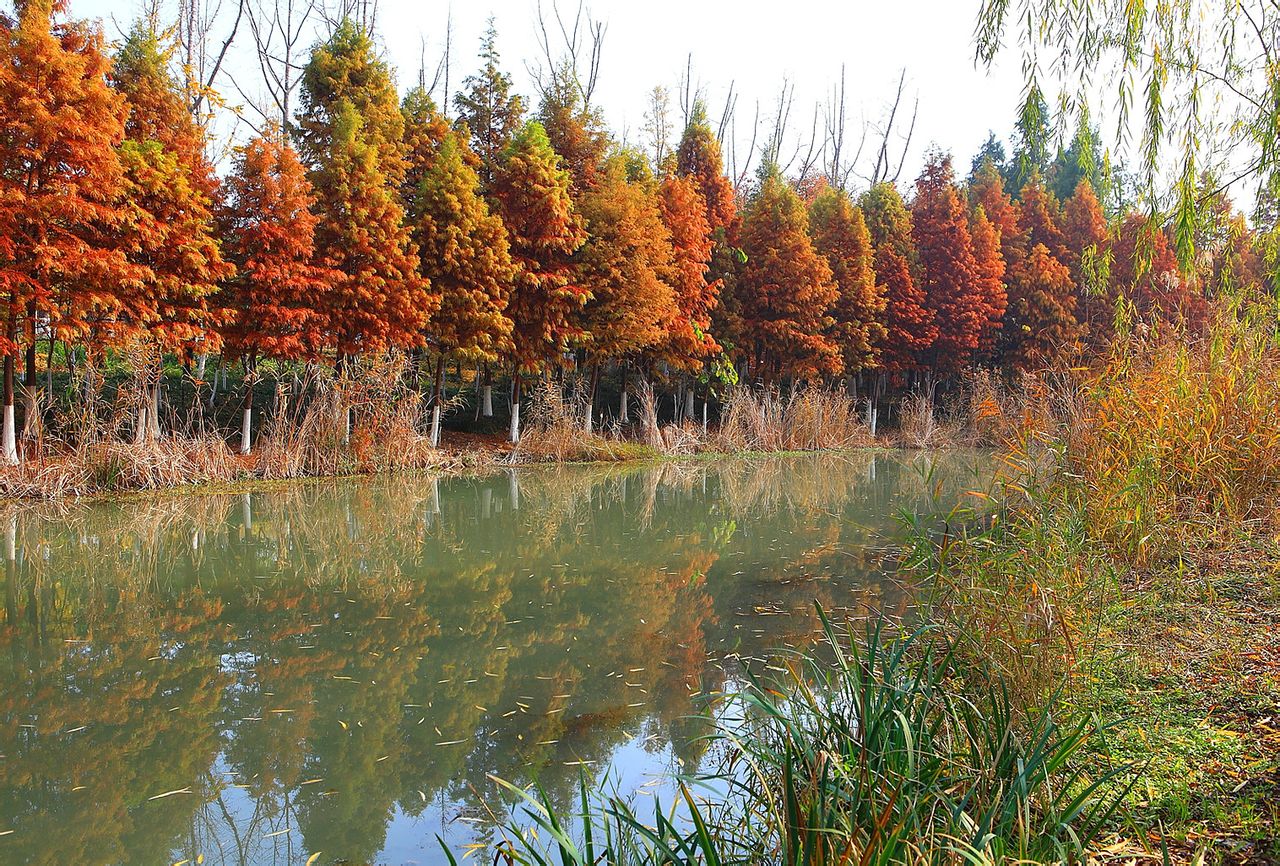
[(334, 668)]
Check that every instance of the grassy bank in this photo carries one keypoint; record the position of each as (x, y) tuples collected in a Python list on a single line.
[(1100, 676)]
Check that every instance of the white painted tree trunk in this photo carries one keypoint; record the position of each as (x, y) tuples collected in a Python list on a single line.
[(587, 421), (515, 423), (435, 425), (486, 402), (688, 404), (10, 436), (201, 361), (622, 404), (704, 417), (246, 512), (246, 429), (513, 488)]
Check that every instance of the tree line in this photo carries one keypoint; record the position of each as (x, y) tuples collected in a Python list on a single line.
[(521, 239)]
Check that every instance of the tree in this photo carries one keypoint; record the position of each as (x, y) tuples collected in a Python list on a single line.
[(425, 129), (624, 265), (990, 270), (1119, 45), (909, 325), (59, 185), (532, 192), (1145, 271), (840, 235), (991, 153), (1039, 216), (463, 251), (576, 132), (785, 288), (275, 299), (948, 272), (688, 340), (346, 71), (698, 157), (378, 301), (491, 112), (170, 193), (1084, 231), (1041, 324)]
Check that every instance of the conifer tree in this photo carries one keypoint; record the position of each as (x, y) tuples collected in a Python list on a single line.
[(840, 234), (464, 252), (948, 273), (425, 129), (59, 185), (991, 271), (698, 157), (544, 229), (1145, 271), (345, 71), (624, 264), (785, 288), (171, 192), (688, 340), (491, 113), (379, 301), (909, 324), (1040, 326), (275, 299), (1087, 240)]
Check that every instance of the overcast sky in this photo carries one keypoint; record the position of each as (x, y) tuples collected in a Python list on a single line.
[(754, 45)]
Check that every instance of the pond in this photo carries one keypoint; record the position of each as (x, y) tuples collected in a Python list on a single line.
[(336, 668)]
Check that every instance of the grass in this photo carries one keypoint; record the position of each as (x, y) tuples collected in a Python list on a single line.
[(890, 750)]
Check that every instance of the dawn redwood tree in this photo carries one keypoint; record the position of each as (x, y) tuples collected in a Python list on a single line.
[(785, 288), (1087, 239), (909, 323), (274, 301), (948, 272), (425, 128), (170, 194), (698, 157), (463, 251), (1040, 326), (59, 185), (378, 300), (986, 190), (544, 230), (489, 111), (840, 235), (1039, 216), (345, 71), (575, 131), (623, 265), (688, 341), (990, 273)]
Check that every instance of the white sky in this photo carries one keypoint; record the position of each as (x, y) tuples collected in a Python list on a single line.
[(753, 44)]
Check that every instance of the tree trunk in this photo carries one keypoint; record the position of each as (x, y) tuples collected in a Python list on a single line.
[(153, 412), (10, 437), (591, 397), (688, 403), (515, 409), (48, 368), (246, 413), (437, 396), (622, 399), (486, 399)]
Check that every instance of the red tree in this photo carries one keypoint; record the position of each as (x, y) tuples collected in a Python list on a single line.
[(274, 301), (948, 272), (840, 235), (59, 182), (532, 192), (990, 270), (785, 288), (909, 324), (1145, 270)]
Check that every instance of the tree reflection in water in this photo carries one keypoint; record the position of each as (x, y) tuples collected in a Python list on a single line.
[(337, 667)]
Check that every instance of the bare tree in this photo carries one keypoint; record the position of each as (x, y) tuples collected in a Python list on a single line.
[(657, 125), (363, 13), (202, 64), (835, 166), (280, 30), (891, 154), (573, 58)]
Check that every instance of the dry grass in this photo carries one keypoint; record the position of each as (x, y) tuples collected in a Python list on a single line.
[(803, 419), (555, 430)]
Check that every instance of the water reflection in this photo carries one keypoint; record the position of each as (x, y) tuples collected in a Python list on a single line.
[(336, 667)]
